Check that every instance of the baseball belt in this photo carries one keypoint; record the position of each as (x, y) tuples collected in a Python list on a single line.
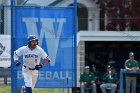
[(29, 68)]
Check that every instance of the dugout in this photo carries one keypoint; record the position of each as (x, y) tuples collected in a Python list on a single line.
[(102, 52), (98, 53), (94, 47)]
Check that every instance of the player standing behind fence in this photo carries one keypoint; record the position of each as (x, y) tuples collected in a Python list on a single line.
[(131, 65), (32, 53)]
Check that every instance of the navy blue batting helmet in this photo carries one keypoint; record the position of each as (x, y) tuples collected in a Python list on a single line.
[(31, 38)]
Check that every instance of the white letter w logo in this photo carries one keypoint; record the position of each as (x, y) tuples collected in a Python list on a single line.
[(47, 30)]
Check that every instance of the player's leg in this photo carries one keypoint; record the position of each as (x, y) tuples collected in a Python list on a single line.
[(94, 88), (28, 90), (28, 81), (127, 86), (113, 88), (82, 88), (133, 82), (34, 78), (24, 89), (103, 87)]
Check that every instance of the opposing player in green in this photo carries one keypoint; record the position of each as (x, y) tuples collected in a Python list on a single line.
[(110, 79), (87, 78), (131, 65)]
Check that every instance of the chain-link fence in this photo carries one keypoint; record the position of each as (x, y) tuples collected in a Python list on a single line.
[(55, 28)]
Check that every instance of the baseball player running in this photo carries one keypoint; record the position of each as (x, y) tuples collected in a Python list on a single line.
[(32, 53)]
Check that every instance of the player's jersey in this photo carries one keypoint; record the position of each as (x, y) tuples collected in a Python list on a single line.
[(31, 57)]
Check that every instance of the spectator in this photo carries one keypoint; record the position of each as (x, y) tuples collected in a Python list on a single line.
[(87, 78), (111, 58), (110, 79), (131, 65)]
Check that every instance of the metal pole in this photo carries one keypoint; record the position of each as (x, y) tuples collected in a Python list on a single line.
[(67, 84), (13, 81), (75, 42)]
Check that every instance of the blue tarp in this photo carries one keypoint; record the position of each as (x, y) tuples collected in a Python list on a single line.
[(55, 28)]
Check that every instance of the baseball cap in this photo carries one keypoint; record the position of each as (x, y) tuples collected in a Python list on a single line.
[(87, 67), (108, 66), (131, 54)]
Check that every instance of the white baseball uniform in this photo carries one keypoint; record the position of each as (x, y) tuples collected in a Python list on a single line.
[(31, 58)]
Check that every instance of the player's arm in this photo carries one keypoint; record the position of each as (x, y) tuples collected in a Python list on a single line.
[(46, 61), (38, 67), (45, 57), (126, 65), (127, 68), (17, 53), (15, 56), (136, 66), (17, 63)]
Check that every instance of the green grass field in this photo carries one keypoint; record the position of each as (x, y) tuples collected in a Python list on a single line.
[(7, 89)]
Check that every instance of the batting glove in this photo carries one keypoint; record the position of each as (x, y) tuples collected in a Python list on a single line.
[(17, 63), (38, 67)]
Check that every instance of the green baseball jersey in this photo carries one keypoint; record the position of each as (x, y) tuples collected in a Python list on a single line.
[(87, 77), (130, 64), (113, 78)]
